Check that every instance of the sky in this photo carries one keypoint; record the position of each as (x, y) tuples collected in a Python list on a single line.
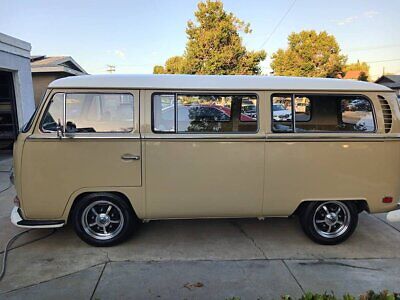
[(136, 35)]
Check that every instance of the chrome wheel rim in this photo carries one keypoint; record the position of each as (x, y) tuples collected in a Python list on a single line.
[(102, 220), (331, 219)]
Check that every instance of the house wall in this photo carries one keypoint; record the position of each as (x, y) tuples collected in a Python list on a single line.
[(15, 58), (41, 82)]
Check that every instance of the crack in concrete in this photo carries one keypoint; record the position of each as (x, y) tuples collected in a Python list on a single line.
[(48, 280), (312, 261), (249, 238), (324, 262), (98, 280), (108, 259), (294, 277)]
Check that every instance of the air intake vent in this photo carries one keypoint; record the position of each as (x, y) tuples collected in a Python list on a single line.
[(387, 113)]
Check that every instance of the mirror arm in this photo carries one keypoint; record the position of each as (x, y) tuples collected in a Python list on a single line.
[(60, 130)]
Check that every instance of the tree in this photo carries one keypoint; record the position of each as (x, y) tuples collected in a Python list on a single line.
[(309, 54), (173, 65), (363, 67), (214, 45)]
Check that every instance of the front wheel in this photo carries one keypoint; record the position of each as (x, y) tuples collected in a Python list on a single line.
[(103, 219), (329, 222)]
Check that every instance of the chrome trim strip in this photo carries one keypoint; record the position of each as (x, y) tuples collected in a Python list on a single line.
[(44, 137), (228, 138)]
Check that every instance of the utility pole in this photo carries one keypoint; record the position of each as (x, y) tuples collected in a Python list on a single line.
[(110, 69)]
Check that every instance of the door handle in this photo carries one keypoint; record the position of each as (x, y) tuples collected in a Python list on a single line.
[(130, 157)]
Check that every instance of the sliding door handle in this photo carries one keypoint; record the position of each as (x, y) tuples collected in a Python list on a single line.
[(130, 157)]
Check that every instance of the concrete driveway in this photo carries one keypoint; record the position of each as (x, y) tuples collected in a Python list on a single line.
[(212, 259)]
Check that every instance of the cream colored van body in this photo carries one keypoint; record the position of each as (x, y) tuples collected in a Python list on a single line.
[(207, 175)]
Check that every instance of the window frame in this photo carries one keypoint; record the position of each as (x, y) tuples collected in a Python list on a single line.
[(221, 93), (305, 94), (94, 92), (43, 116)]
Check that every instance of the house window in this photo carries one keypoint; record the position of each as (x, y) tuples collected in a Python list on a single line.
[(322, 113), (204, 113)]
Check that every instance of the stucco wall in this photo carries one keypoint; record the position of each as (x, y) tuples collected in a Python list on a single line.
[(41, 82), (15, 57)]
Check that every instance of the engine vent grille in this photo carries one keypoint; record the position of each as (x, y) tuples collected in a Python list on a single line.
[(387, 113)]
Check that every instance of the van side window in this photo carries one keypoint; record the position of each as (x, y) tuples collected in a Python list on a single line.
[(323, 113), (164, 112), (282, 113), (54, 114), (89, 112), (204, 113)]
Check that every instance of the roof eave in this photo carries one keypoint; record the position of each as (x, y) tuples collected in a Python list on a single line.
[(56, 69)]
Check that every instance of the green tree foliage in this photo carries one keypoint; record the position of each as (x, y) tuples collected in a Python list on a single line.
[(363, 67), (173, 65), (214, 45), (309, 54)]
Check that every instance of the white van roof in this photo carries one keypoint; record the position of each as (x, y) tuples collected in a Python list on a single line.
[(214, 82)]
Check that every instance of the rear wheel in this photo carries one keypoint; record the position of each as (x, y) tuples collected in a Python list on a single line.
[(103, 219), (329, 222)]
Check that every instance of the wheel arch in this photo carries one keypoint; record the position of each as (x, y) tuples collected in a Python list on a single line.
[(120, 194), (362, 205)]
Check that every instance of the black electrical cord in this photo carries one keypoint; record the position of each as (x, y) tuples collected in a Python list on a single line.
[(11, 241), (9, 184), (7, 188), (15, 237)]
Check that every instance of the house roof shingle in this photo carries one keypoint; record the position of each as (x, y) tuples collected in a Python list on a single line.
[(391, 81), (66, 64), (352, 74)]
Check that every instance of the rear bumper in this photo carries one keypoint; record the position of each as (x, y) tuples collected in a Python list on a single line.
[(18, 221), (394, 216)]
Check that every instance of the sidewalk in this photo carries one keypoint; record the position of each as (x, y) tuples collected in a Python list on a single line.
[(200, 259)]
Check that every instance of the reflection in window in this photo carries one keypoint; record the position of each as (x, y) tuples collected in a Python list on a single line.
[(282, 113), (54, 114), (302, 109), (99, 113), (357, 115), (204, 113), (323, 113), (164, 113)]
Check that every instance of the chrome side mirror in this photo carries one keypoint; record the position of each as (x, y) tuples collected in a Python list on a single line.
[(60, 130)]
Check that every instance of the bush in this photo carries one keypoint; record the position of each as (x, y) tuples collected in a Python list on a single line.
[(370, 295)]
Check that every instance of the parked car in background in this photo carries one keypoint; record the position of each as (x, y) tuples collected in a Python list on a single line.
[(280, 113)]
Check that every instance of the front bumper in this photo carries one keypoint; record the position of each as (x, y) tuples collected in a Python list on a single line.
[(394, 216), (18, 221)]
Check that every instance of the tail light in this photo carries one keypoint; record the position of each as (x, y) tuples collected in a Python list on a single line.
[(387, 200)]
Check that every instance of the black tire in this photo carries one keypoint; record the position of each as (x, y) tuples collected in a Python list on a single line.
[(83, 217), (320, 226)]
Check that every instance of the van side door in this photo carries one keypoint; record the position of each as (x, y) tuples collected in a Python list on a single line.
[(204, 154)]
